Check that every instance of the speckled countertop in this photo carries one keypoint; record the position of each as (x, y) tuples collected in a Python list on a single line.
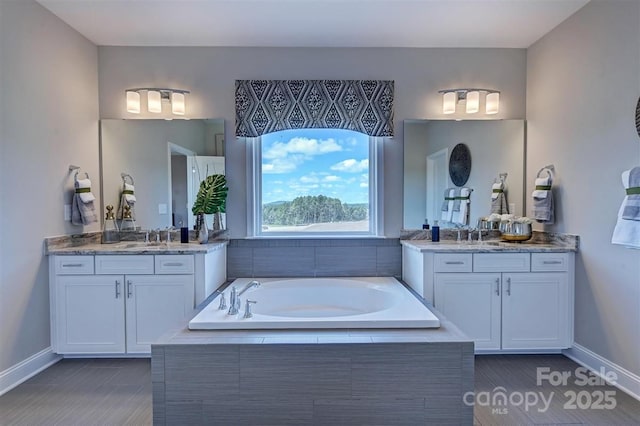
[(492, 246), (135, 247)]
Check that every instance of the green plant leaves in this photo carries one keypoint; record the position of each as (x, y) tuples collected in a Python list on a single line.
[(212, 196)]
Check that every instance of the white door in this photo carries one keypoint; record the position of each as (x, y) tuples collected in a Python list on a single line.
[(198, 168), (472, 303), (535, 312), (155, 304), (437, 182), (90, 314)]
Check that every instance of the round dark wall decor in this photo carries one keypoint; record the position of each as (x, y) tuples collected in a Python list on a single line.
[(638, 117), (460, 164)]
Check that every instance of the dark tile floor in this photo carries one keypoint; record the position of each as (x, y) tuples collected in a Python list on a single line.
[(118, 392)]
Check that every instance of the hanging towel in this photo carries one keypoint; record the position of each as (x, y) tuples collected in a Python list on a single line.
[(447, 205), (498, 199), (456, 200), (632, 200), (83, 212), (626, 232), (127, 197), (543, 200), (461, 216)]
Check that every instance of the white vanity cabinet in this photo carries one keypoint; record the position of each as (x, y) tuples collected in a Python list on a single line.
[(509, 301), (108, 304)]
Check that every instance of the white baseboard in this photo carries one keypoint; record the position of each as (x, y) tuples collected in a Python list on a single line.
[(24, 370), (627, 382)]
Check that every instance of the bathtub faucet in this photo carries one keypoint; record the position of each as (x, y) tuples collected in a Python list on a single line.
[(234, 299)]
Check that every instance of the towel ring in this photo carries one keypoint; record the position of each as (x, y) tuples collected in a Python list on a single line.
[(124, 177), (75, 177), (549, 169)]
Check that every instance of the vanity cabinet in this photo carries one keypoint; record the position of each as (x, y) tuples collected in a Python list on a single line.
[(120, 304), (517, 301)]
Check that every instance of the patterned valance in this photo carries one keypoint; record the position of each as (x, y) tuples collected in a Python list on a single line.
[(265, 106)]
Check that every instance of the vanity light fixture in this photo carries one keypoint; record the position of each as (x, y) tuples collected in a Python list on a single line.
[(155, 98), (451, 98)]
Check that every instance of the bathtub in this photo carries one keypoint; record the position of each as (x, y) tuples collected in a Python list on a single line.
[(312, 303)]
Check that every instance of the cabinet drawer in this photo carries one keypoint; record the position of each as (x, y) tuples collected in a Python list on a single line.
[(452, 262), (174, 264), (73, 265), (501, 262), (124, 264), (549, 262)]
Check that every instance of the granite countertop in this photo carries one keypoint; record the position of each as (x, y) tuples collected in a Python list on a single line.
[(491, 246), (136, 247)]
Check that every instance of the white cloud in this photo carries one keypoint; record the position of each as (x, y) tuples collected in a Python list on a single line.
[(279, 166), (309, 179), (331, 178), (351, 166), (302, 146), (364, 185)]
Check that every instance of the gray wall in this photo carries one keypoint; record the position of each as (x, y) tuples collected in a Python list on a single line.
[(49, 88), (582, 88), (209, 73)]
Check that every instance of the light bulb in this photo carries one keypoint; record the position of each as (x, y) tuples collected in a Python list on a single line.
[(154, 101), (492, 103), (177, 103), (473, 102), (449, 100), (133, 102)]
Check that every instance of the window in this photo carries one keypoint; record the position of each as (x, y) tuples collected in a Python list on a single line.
[(314, 182)]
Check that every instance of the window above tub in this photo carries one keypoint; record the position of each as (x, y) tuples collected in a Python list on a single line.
[(315, 183)]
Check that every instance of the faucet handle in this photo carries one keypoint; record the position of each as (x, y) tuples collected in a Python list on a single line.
[(247, 309), (223, 302)]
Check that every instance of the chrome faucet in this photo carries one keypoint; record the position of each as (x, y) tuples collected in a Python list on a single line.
[(234, 298), (247, 309)]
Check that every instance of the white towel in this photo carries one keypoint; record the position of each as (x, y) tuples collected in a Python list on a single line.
[(498, 199), (461, 217), (447, 206), (130, 197), (543, 206), (83, 212), (496, 187), (626, 232), (540, 193), (85, 197)]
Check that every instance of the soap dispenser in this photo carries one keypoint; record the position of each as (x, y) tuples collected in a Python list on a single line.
[(435, 232), (110, 233)]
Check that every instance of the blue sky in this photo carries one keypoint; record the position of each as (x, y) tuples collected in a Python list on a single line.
[(330, 162)]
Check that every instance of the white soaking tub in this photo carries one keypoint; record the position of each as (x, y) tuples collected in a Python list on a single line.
[(308, 303)]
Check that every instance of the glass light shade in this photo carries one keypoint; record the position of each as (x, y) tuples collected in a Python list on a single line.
[(473, 102), (177, 103), (493, 103), (154, 101), (449, 100), (133, 102)]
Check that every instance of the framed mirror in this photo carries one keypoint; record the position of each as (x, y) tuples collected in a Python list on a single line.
[(496, 146), (166, 160)]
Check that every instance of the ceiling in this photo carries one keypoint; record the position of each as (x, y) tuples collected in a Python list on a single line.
[(314, 23)]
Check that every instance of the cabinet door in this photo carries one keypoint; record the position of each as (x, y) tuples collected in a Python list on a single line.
[(155, 304), (535, 311), (472, 303), (90, 314)]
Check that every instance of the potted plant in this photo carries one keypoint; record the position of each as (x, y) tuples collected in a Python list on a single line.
[(211, 199)]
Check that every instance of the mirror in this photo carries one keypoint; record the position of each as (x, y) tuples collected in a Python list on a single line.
[(496, 146), (166, 160)]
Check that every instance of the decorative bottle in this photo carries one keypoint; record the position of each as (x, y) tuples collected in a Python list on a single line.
[(110, 233), (435, 232), (201, 228)]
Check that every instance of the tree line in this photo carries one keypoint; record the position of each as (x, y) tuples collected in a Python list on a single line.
[(312, 209)]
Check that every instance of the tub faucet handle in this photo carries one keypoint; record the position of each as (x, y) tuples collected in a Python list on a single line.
[(247, 309), (234, 302), (223, 302)]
